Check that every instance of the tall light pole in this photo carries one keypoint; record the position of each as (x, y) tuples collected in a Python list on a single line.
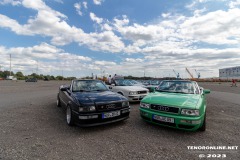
[(37, 68), (10, 65)]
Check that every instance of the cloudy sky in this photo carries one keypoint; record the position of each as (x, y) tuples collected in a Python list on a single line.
[(127, 37)]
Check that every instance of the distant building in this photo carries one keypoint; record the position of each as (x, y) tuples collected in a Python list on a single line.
[(230, 73)]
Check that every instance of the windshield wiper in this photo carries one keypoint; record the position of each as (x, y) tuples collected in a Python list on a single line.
[(181, 92), (98, 90), (162, 91), (82, 90)]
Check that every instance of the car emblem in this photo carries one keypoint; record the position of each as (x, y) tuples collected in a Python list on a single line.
[(163, 108), (110, 106)]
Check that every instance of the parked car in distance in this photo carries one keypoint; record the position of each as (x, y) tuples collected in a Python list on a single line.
[(176, 103), (90, 103), (11, 78), (126, 88), (151, 85), (46, 79), (31, 80)]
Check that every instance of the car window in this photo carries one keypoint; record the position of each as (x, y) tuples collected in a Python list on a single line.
[(88, 85), (123, 82), (186, 87)]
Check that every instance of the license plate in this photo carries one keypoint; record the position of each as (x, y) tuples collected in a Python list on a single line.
[(111, 114), (142, 96), (163, 119)]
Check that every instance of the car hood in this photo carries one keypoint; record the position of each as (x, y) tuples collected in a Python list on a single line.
[(98, 97), (173, 99), (132, 88)]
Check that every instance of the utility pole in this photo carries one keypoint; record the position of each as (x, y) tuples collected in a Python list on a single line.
[(37, 67), (62, 74), (10, 65)]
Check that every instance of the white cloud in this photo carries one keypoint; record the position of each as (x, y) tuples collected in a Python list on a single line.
[(137, 60), (6, 22), (165, 15), (177, 40), (97, 2), (217, 27), (59, 1), (95, 18), (199, 12), (85, 5), (234, 4), (78, 8), (12, 2), (104, 63), (26, 59)]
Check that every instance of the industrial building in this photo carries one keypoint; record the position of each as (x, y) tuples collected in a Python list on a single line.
[(230, 73)]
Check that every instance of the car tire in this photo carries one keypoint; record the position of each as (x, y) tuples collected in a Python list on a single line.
[(58, 101), (69, 118), (203, 127)]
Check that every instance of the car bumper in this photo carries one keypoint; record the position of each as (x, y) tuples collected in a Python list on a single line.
[(98, 118), (180, 122), (136, 98)]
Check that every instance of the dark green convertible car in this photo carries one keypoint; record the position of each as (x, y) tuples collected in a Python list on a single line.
[(176, 103)]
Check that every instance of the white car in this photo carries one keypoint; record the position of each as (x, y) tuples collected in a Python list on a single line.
[(129, 90)]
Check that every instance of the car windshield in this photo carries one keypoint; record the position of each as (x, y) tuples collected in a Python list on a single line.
[(123, 82), (186, 87), (88, 85), (136, 83), (155, 82)]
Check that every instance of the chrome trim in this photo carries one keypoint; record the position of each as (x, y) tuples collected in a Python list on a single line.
[(179, 110)]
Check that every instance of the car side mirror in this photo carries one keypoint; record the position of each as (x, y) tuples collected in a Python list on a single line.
[(63, 89), (206, 91)]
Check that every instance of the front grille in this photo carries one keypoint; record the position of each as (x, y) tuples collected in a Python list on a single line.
[(109, 106), (142, 92), (164, 108), (100, 120)]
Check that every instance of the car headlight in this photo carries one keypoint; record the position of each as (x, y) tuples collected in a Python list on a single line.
[(190, 112), (133, 93), (144, 105), (125, 104), (87, 108)]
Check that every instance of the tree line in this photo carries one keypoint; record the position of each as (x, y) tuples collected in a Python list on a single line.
[(20, 76)]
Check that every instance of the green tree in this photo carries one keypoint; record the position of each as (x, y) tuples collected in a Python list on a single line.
[(19, 74), (59, 77)]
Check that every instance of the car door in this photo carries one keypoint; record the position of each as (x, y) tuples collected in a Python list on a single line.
[(64, 95)]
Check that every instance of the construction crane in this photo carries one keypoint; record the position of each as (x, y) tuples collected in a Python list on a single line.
[(177, 74), (198, 74), (189, 73)]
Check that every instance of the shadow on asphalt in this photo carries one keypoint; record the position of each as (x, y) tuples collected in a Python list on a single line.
[(134, 122)]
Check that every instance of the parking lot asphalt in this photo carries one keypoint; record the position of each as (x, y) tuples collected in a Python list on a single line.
[(32, 127)]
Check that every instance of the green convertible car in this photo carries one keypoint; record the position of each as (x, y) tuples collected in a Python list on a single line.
[(176, 103)]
